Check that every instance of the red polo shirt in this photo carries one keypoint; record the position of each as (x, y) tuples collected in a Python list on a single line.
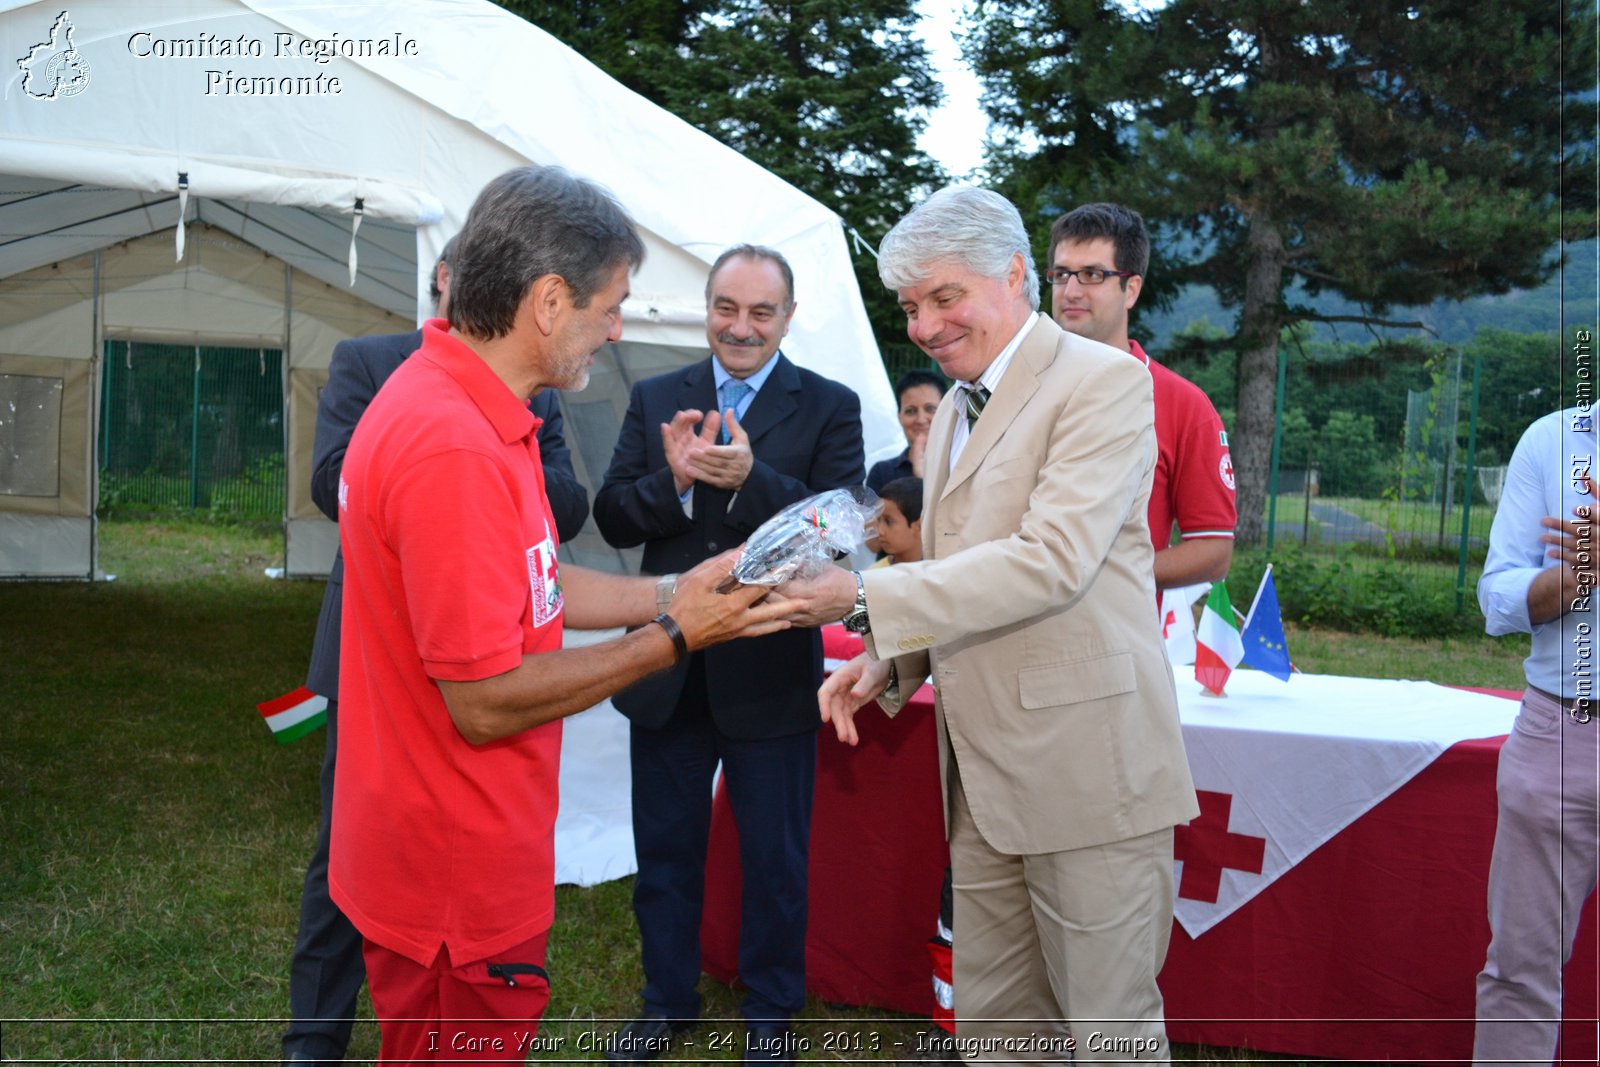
[(1194, 470), (450, 573)]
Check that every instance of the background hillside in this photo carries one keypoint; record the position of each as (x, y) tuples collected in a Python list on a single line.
[(1568, 297)]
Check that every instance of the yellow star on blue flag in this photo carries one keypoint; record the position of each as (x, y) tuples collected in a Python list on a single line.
[(1265, 645)]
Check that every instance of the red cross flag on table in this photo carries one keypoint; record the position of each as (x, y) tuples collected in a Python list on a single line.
[(1218, 647), (1177, 621), (1281, 769), (295, 714), (1206, 847)]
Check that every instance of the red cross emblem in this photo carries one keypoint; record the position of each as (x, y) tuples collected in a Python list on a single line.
[(1206, 848)]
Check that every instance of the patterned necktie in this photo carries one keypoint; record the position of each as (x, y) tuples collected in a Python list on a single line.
[(977, 397), (729, 393)]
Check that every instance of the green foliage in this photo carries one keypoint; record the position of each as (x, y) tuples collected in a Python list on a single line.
[(1524, 376), (828, 94), (1393, 154), (254, 495), (1567, 297), (1345, 404), (1350, 463), (1348, 589), (191, 429)]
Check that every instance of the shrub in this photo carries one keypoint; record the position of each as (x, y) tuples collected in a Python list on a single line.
[(1350, 590)]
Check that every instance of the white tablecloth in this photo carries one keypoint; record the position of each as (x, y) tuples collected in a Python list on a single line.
[(1299, 760)]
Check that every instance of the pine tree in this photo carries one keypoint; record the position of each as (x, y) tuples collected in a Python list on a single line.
[(827, 94), (1393, 153)]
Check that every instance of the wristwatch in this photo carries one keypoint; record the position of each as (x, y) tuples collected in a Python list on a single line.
[(666, 586), (856, 620)]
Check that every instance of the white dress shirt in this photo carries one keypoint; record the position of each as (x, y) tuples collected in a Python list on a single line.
[(1543, 479), (989, 379), (719, 376)]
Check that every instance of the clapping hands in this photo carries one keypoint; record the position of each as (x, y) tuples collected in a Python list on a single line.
[(695, 456)]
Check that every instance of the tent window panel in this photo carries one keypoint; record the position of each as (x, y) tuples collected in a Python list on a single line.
[(30, 435), (195, 428), (592, 429)]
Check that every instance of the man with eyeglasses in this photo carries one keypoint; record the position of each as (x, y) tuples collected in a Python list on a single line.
[(1099, 254)]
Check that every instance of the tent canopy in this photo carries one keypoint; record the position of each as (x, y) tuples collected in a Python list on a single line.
[(283, 174)]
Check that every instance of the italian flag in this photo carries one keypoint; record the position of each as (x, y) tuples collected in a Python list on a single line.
[(293, 715), (1218, 648)]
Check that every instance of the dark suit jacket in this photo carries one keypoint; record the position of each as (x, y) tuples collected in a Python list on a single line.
[(885, 471), (357, 371), (805, 433)]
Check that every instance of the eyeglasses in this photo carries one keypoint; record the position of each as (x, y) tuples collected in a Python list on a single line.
[(1086, 276)]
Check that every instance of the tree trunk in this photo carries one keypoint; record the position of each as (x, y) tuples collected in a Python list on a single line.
[(1257, 373)]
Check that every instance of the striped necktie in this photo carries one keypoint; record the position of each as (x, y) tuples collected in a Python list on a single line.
[(977, 396)]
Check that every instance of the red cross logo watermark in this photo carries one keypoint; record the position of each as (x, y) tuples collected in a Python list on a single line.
[(1207, 848)]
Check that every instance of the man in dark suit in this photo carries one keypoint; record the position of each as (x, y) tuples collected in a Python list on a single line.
[(327, 971), (769, 434)]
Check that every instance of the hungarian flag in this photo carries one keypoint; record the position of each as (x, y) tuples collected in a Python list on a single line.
[(1218, 648), (293, 715)]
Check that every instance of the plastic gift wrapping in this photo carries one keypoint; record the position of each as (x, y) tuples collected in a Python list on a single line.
[(805, 537)]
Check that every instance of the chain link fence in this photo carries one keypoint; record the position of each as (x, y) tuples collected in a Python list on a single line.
[(1389, 469), (192, 428)]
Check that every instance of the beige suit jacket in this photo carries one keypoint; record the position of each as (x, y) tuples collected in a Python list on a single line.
[(1034, 606)]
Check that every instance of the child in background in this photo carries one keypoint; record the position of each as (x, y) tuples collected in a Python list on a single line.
[(900, 524)]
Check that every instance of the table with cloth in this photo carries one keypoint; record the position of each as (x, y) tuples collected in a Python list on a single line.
[(1331, 895)]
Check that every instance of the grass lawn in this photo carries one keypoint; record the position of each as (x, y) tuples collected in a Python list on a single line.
[(155, 837), (1489, 663)]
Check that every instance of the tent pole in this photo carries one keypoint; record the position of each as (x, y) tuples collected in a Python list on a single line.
[(286, 361), (194, 438), (98, 410)]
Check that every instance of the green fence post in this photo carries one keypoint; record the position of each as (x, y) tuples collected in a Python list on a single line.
[(1277, 449), (107, 391), (1467, 482), (194, 439)]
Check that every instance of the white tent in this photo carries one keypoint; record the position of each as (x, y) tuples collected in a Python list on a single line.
[(271, 173)]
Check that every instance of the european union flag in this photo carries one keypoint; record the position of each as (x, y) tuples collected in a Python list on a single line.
[(1265, 648)]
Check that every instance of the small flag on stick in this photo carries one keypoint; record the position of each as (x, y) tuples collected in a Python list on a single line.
[(1218, 647), (1177, 621), (295, 714), (1265, 646)]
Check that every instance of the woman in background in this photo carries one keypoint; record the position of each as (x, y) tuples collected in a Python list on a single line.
[(918, 393)]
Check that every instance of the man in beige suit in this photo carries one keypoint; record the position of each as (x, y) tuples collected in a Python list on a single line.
[(1061, 755)]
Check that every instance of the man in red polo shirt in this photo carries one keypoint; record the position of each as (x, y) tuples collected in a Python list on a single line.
[(1099, 254), (454, 676)]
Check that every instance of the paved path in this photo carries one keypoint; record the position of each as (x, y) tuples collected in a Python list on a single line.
[(1338, 526)]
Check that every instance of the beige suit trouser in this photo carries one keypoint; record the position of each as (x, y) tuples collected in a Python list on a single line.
[(1056, 938)]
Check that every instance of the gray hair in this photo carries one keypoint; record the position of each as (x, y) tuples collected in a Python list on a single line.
[(975, 227), (525, 224), (758, 253)]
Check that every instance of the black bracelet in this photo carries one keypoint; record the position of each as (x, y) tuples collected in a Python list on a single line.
[(669, 624)]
